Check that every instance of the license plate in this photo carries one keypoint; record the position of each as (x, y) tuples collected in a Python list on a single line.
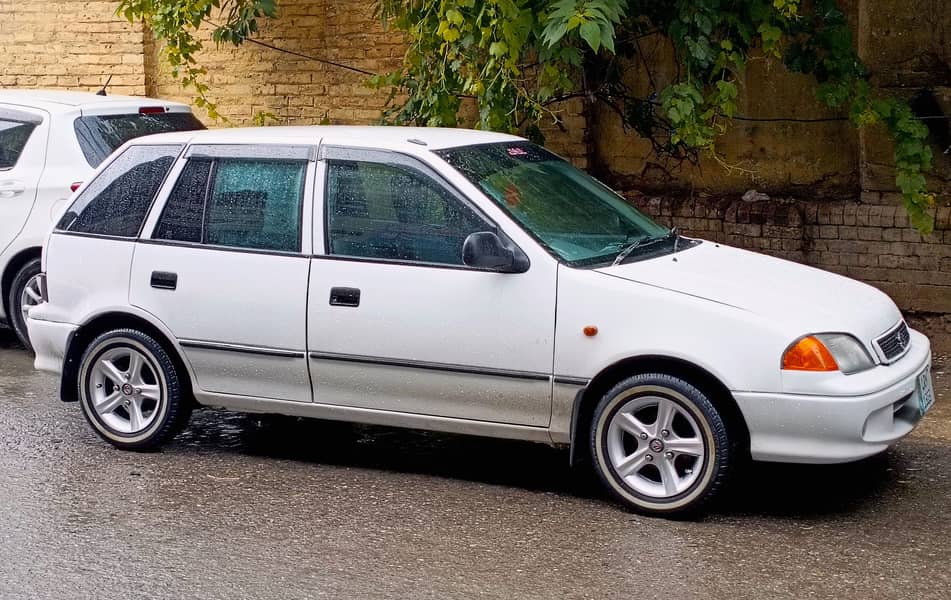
[(925, 391)]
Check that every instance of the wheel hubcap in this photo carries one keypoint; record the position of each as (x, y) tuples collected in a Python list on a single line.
[(30, 296), (125, 390), (655, 446)]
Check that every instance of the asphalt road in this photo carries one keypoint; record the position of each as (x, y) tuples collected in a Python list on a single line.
[(240, 507)]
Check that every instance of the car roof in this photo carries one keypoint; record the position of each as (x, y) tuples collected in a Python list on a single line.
[(432, 138), (60, 100)]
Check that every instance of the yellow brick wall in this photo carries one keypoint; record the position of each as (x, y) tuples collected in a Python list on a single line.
[(252, 78), (69, 44)]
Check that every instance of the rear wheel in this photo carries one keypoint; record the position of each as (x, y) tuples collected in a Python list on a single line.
[(130, 391), (659, 445), (24, 295)]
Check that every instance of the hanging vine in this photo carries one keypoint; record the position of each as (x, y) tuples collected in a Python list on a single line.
[(515, 60)]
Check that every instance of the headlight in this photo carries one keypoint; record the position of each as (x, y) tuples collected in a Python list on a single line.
[(827, 352)]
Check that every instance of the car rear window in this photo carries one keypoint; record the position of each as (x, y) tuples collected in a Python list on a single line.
[(100, 135)]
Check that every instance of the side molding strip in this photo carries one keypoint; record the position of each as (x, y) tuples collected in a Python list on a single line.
[(264, 351), (418, 364)]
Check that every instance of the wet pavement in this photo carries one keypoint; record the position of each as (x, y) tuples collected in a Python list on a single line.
[(250, 507)]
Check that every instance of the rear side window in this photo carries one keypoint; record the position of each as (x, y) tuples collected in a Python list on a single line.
[(13, 138), (183, 215), (100, 135), (116, 201), (239, 203)]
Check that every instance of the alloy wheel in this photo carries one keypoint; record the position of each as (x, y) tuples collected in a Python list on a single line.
[(30, 296), (655, 446), (125, 390)]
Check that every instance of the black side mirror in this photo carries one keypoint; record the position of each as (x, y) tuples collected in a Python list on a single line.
[(485, 250)]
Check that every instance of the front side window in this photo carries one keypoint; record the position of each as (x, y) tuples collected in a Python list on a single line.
[(13, 138), (393, 212), (116, 201), (240, 203), (578, 218)]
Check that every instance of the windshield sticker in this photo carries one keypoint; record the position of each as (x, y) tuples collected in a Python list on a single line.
[(516, 151)]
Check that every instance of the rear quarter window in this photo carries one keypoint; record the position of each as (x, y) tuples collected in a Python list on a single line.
[(100, 135), (116, 202), (14, 134)]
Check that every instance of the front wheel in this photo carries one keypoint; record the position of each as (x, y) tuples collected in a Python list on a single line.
[(130, 391), (659, 445)]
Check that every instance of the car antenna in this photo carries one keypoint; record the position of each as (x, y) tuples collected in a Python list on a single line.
[(102, 90), (676, 233)]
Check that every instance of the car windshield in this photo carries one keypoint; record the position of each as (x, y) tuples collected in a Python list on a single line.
[(100, 135), (575, 216)]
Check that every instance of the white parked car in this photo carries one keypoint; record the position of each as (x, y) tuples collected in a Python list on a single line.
[(458, 281), (50, 142)]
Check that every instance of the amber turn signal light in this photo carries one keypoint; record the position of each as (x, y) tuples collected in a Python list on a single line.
[(590, 331), (809, 354)]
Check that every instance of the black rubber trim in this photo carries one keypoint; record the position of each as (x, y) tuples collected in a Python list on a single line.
[(68, 390), (259, 350), (405, 263), (573, 447), (98, 236), (431, 366), (200, 246), (571, 380)]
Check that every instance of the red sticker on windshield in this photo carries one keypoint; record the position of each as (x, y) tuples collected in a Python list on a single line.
[(517, 152)]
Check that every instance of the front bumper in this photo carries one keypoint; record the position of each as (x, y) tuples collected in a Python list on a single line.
[(49, 340), (804, 428)]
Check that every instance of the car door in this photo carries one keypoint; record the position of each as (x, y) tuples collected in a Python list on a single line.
[(225, 267), (397, 322), (23, 138)]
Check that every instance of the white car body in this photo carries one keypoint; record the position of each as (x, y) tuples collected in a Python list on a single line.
[(35, 189), (469, 351)]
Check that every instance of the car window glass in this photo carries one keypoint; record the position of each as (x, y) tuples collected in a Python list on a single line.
[(256, 204), (182, 216), (575, 216), (100, 135), (394, 212), (117, 200), (13, 138)]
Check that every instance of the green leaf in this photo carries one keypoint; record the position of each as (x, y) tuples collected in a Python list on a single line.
[(498, 49), (591, 33)]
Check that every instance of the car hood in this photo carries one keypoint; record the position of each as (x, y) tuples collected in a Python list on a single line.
[(808, 300)]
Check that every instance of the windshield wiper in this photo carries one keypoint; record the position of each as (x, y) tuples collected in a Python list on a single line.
[(646, 241)]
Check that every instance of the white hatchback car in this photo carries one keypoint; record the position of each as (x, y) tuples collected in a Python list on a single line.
[(50, 142), (458, 281)]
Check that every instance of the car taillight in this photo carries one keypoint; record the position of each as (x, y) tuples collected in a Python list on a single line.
[(75, 186), (151, 110)]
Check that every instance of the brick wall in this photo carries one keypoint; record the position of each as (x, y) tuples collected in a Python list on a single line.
[(69, 44), (832, 204), (868, 239), (253, 78)]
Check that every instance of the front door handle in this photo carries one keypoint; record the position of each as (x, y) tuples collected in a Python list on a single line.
[(344, 296), (9, 189), (164, 280)]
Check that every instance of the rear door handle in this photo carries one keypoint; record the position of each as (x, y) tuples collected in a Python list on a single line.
[(164, 280), (344, 296), (9, 189)]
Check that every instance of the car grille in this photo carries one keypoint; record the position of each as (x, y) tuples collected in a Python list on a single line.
[(895, 343)]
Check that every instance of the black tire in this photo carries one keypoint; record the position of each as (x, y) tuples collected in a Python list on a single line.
[(687, 403), (23, 276), (171, 411)]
